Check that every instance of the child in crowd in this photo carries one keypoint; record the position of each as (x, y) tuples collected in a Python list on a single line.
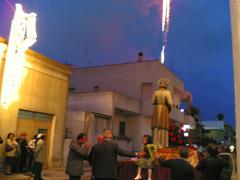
[(145, 162)]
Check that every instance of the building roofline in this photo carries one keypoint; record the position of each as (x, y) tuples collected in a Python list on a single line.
[(53, 63), (47, 61), (124, 63), (127, 63), (111, 91), (3, 40)]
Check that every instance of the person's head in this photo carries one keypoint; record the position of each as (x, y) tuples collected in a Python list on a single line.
[(23, 135), (147, 139), (212, 150), (41, 136), (82, 138), (163, 83), (183, 152), (10, 136), (107, 134), (18, 140), (35, 136)]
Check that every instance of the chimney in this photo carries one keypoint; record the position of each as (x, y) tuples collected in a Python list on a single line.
[(140, 57)]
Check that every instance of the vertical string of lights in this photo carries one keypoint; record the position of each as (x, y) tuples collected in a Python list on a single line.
[(165, 26), (22, 36)]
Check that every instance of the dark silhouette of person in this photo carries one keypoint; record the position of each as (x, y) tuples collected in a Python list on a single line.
[(211, 166), (180, 168), (103, 158)]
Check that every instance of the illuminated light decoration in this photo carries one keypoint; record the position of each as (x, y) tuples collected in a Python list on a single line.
[(165, 15), (185, 127), (182, 110), (185, 134), (22, 36), (163, 55), (166, 6), (231, 148)]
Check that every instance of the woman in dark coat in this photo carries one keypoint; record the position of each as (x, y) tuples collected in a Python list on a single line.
[(24, 152), (77, 154)]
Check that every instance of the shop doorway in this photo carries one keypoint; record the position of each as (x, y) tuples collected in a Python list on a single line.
[(34, 123)]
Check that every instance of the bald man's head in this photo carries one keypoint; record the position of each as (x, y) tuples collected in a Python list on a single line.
[(107, 134)]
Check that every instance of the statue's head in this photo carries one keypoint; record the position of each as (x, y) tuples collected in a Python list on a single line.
[(163, 83)]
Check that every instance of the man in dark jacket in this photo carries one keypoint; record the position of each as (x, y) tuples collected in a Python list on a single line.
[(180, 168), (24, 152), (103, 158), (211, 167), (78, 152)]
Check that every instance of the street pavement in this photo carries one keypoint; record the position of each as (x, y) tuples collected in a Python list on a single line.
[(49, 174)]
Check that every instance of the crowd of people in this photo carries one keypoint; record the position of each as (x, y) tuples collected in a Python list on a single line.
[(23, 156), (103, 159), (101, 156)]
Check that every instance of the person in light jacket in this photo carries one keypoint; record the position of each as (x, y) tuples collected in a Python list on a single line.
[(78, 152), (11, 152), (39, 156)]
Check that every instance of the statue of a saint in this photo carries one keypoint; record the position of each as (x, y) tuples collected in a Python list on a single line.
[(162, 101)]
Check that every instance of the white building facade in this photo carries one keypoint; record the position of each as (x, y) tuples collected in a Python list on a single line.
[(118, 97)]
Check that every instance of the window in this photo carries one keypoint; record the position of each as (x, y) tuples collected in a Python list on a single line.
[(25, 114), (96, 88), (72, 89), (122, 127), (101, 123)]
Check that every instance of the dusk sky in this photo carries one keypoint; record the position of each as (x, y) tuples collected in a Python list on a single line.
[(98, 32)]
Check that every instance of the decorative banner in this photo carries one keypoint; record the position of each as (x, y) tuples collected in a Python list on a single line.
[(22, 36)]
